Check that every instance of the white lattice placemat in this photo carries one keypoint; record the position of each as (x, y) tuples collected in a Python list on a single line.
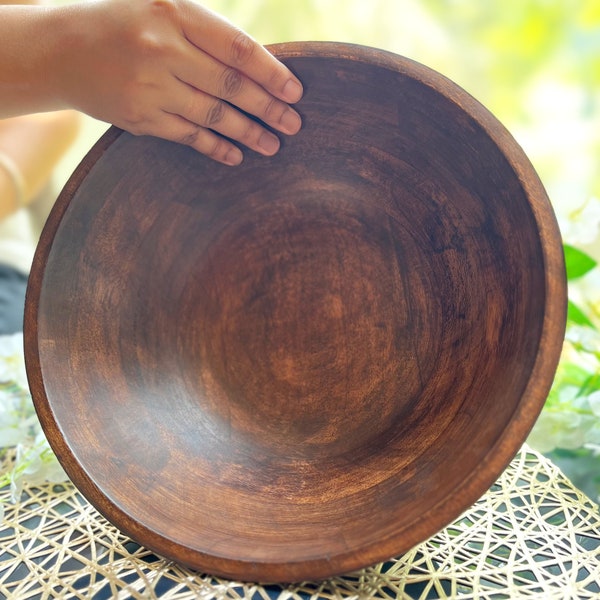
[(533, 535)]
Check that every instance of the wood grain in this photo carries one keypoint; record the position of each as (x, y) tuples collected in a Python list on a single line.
[(312, 362)]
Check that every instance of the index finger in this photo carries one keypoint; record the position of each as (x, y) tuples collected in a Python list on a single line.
[(216, 36)]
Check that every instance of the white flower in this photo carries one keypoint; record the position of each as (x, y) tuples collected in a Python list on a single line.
[(12, 360), (594, 402), (585, 292), (562, 429), (35, 462), (18, 421), (582, 225), (586, 337)]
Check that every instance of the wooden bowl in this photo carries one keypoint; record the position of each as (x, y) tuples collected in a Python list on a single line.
[(312, 362)]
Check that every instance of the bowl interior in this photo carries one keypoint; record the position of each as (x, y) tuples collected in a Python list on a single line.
[(311, 362)]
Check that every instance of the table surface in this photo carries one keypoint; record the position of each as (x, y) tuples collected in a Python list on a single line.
[(532, 535)]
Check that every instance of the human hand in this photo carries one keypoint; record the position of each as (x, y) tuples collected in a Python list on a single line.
[(176, 70)]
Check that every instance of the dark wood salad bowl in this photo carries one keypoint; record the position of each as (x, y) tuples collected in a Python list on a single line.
[(312, 362)]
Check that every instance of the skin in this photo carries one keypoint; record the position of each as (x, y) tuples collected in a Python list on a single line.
[(35, 143), (168, 68)]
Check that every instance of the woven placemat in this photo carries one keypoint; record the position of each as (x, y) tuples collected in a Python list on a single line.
[(533, 535)]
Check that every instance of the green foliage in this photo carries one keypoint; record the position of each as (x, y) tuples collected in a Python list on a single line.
[(578, 262), (575, 316), (519, 39)]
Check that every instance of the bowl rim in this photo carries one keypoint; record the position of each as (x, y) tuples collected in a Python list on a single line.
[(467, 491)]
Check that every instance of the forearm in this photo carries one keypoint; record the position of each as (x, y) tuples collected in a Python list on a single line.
[(169, 68), (31, 37), (34, 144)]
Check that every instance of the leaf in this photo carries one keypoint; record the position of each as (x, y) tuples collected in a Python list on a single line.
[(577, 317), (591, 386), (571, 374), (594, 400), (578, 262)]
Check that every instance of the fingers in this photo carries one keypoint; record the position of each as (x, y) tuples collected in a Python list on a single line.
[(174, 69), (212, 113), (234, 48), (177, 129), (220, 81), (225, 70)]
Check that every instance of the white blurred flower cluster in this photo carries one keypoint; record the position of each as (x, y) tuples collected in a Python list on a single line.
[(571, 417), (582, 225), (19, 426), (581, 229)]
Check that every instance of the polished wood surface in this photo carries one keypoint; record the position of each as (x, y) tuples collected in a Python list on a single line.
[(312, 362)]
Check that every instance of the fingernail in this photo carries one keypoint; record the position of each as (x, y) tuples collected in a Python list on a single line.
[(234, 157), (290, 121), (268, 143), (292, 91)]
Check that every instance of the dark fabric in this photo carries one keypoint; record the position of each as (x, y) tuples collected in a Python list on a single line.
[(13, 284)]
